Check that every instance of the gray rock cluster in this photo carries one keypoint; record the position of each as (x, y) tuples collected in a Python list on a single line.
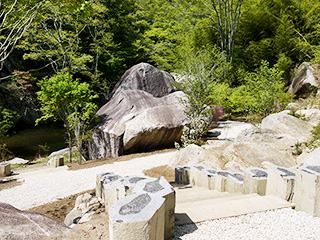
[(85, 207), (271, 143), (143, 113)]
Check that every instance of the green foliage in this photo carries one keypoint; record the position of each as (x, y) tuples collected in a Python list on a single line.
[(201, 73), (263, 92), (193, 133), (7, 120), (66, 99)]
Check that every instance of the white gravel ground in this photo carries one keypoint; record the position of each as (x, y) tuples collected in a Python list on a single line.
[(282, 224), (47, 185)]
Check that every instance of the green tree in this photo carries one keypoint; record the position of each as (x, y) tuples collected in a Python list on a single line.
[(263, 91), (66, 99), (15, 19), (202, 72)]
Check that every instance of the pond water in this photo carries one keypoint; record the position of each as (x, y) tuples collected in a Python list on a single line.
[(26, 143)]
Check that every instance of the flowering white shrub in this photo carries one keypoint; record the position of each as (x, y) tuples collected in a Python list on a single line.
[(192, 133)]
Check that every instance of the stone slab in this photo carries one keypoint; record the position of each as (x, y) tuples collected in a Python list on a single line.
[(193, 210)]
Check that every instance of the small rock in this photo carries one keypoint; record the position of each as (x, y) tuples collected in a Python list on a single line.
[(73, 217), (86, 217)]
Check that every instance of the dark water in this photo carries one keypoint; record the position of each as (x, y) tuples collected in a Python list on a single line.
[(25, 143)]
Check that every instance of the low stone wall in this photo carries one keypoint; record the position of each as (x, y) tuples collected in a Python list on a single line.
[(302, 187)]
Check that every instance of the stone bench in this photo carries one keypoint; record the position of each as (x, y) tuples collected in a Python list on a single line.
[(255, 181), (5, 169), (234, 183), (280, 182), (160, 188), (307, 190), (138, 216), (56, 161)]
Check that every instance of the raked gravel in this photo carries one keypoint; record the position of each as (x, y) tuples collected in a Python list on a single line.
[(48, 185), (281, 224)]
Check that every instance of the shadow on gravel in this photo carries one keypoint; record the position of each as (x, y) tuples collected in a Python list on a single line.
[(182, 230)]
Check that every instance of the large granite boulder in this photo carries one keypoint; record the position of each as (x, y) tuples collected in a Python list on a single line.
[(208, 155), (16, 224), (306, 75), (146, 77), (291, 128), (310, 158), (135, 120)]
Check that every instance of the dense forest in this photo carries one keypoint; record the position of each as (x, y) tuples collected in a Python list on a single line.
[(243, 52)]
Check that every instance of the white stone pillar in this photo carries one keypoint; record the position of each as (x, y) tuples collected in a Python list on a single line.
[(161, 188), (234, 182), (255, 181), (138, 216), (280, 182), (307, 190), (220, 179), (99, 181)]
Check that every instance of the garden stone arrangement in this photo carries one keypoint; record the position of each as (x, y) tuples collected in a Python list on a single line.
[(300, 187)]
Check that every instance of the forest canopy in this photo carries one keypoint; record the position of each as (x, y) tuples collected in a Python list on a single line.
[(95, 41)]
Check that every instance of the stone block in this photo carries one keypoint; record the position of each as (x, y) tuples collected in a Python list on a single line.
[(255, 181), (199, 176), (127, 184), (280, 182), (56, 161), (161, 188), (110, 191), (219, 180), (178, 175), (99, 183), (138, 216), (234, 182), (5, 169), (307, 190), (186, 175), (73, 217), (209, 174)]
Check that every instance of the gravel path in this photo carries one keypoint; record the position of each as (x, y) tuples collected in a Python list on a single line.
[(282, 224), (47, 185)]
